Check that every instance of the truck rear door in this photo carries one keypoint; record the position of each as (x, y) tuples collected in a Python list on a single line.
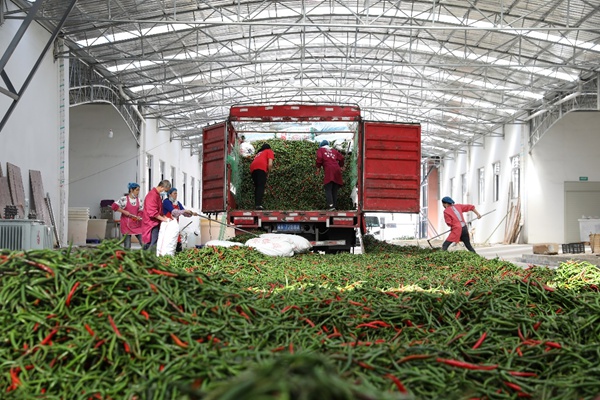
[(391, 167), (214, 141)]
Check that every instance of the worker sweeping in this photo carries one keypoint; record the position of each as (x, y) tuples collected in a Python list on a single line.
[(459, 231)]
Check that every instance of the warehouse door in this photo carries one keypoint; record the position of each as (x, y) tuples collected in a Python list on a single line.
[(581, 199), (214, 139), (391, 167)]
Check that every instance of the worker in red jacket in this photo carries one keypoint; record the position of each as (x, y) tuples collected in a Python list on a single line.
[(453, 215), (153, 214), (260, 168), (332, 162)]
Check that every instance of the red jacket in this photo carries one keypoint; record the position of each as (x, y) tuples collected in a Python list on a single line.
[(152, 209), (454, 222), (332, 162), (261, 160)]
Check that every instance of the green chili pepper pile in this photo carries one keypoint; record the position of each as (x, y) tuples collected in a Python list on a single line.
[(293, 183), (218, 323)]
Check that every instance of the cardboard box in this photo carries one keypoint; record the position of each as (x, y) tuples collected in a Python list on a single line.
[(545, 248)]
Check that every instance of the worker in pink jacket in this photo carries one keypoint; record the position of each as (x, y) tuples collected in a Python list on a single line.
[(453, 215)]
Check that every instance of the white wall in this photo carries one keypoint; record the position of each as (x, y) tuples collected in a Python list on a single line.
[(100, 166), (566, 152), (157, 143), (39, 129), (499, 148), (30, 138)]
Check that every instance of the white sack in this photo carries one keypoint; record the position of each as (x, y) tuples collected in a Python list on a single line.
[(223, 243), (167, 238), (271, 246), (299, 244)]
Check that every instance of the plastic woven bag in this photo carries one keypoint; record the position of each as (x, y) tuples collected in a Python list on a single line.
[(167, 238)]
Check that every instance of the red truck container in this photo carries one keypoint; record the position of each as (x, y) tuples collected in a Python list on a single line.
[(388, 165)]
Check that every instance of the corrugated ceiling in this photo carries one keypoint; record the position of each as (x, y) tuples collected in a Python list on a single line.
[(462, 68)]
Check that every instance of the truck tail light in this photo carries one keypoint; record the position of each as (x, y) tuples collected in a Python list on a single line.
[(243, 221), (342, 221)]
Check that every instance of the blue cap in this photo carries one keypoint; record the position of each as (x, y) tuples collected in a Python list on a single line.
[(171, 190), (324, 143), (132, 186), (447, 200)]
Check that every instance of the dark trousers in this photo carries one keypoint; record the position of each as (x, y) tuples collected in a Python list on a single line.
[(260, 181), (127, 241), (331, 190), (154, 238), (464, 237)]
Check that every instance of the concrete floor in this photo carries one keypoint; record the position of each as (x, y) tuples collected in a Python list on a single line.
[(518, 254)]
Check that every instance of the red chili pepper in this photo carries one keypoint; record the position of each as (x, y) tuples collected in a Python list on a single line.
[(285, 309), (73, 289), (536, 326), (554, 345), (165, 273), (153, 287), (199, 280), (391, 294), (457, 315), (365, 365), (41, 266), (99, 343), (397, 382), (519, 352), (145, 314), (14, 378), (409, 322), (480, 341), (308, 321), (48, 338), (523, 374), (90, 331), (466, 365), (413, 357), (548, 288), (243, 314), (112, 323), (520, 334), (513, 386), (178, 341), (126, 346), (467, 283), (355, 303), (291, 348), (278, 349)]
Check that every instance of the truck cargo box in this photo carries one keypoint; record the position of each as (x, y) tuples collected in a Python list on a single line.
[(382, 171)]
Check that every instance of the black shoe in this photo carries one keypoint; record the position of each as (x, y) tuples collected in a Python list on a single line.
[(260, 208), (331, 208)]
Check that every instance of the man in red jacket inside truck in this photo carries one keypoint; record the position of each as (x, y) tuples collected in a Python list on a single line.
[(453, 215), (332, 162)]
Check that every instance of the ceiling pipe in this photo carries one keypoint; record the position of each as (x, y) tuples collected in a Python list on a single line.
[(532, 116), (133, 105)]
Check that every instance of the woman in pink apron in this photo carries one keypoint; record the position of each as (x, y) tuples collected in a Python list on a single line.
[(130, 206)]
